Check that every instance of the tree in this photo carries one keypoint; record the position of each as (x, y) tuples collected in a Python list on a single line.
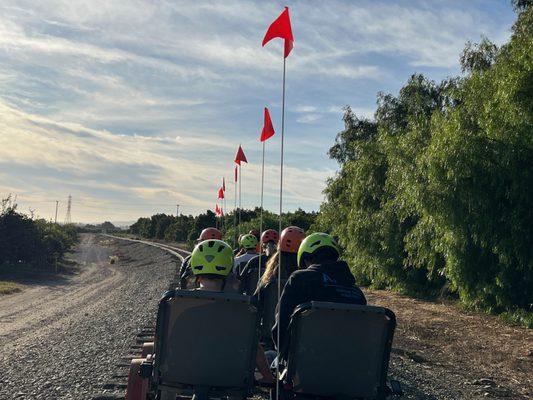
[(436, 192)]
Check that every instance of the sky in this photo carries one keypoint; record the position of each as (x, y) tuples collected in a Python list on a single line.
[(135, 106)]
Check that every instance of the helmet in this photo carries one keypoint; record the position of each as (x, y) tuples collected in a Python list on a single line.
[(312, 243), (270, 235), (248, 241), (254, 232), (210, 233), (291, 237), (212, 257)]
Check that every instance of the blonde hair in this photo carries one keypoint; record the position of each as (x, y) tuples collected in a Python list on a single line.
[(271, 269)]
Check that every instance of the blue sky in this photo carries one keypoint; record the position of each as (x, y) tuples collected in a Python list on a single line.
[(134, 106)]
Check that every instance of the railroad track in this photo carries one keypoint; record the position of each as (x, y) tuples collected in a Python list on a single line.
[(146, 334)]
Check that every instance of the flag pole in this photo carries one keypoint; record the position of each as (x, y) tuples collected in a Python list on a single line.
[(280, 211), (235, 210), (240, 196), (261, 211), (224, 212)]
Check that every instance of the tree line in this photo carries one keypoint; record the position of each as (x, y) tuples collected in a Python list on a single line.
[(31, 242), (434, 194), (186, 228)]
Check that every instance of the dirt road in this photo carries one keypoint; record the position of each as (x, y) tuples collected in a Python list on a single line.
[(64, 339)]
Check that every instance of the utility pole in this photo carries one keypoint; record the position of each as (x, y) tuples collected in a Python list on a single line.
[(57, 206), (69, 206), (177, 210)]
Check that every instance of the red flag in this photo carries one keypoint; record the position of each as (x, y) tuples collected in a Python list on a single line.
[(217, 210), (240, 156), (224, 184), (281, 28), (235, 173), (268, 129), (220, 193)]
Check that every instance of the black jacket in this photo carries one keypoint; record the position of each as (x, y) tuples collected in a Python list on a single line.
[(185, 273), (250, 274), (331, 282)]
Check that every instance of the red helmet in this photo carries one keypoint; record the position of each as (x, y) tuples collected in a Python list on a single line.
[(270, 235), (210, 233), (290, 240), (254, 232)]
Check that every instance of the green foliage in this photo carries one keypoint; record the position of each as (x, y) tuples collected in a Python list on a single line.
[(435, 194), (187, 228), (31, 242)]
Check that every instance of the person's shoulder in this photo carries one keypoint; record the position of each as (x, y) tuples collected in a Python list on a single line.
[(302, 275)]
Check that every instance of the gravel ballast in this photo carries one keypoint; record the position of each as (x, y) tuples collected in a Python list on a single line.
[(68, 340)]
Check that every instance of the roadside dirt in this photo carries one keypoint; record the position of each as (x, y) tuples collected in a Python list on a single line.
[(64, 339), (442, 352)]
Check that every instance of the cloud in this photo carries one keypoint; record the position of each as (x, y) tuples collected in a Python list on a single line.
[(304, 109), (308, 118), (142, 169), (142, 103)]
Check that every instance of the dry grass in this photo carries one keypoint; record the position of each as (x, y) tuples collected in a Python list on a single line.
[(7, 287)]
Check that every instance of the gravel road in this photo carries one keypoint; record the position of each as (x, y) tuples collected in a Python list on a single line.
[(64, 340)]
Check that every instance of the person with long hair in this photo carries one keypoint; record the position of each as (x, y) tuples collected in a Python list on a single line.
[(252, 271), (267, 289)]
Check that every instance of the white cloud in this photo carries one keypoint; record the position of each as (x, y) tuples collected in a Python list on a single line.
[(70, 154), (304, 109), (144, 99), (308, 118)]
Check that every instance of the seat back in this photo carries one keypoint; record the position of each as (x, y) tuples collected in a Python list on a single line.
[(270, 302), (205, 339), (340, 350)]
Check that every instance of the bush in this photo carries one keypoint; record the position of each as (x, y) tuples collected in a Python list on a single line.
[(31, 242)]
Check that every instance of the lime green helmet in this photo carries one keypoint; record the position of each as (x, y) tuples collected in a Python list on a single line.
[(312, 243), (212, 257), (248, 242)]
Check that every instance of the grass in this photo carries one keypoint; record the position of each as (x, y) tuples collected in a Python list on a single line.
[(518, 317), (7, 287)]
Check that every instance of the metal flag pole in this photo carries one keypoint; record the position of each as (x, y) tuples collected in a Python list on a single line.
[(280, 215), (240, 196), (235, 244), (224, 210), (261, 211)]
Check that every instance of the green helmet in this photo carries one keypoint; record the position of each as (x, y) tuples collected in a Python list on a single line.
[(312, 243), (212, 257), (248, 242)]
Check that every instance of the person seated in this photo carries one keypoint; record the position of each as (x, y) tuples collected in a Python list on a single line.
[(237, 251), (249, 244), (211, 263), (186, 276), (254, 268), (290, 240), (255, 232), (321, 277)]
